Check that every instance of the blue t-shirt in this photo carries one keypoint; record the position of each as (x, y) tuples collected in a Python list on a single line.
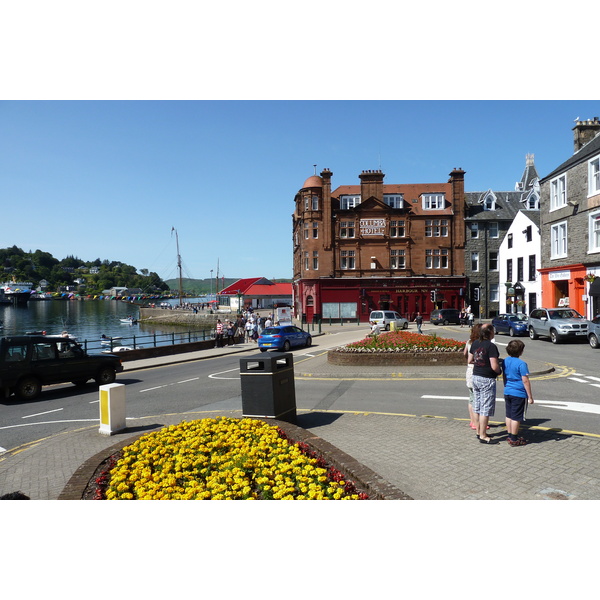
[(514, 369)]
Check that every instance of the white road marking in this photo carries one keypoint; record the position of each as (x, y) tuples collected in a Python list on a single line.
[(42, 413), (2, 450), (216, 375), (584, 407), (592, 377), (188, 380), (577, 379), (158, 387)]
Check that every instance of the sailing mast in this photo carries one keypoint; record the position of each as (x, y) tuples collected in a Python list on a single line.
[(178, 267)]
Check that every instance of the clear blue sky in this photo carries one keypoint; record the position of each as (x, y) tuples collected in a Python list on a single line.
[(109, 179)]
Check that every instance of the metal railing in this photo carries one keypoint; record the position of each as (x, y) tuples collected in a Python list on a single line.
[(146, 341)]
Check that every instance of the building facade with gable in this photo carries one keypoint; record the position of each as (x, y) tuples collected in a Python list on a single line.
[(377, 246), (489, 215), (570, 226)]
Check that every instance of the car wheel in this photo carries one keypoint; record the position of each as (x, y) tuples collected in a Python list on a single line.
[(495, 331), (511, 332), (286, 346), (532, 334), (308, 342), (405, 326), (105, 376), (445, 321), (263, 349), (28, 388), (594, 343), (554, 337), (387, 327)]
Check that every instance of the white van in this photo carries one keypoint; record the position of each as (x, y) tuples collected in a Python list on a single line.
[(383, 318)]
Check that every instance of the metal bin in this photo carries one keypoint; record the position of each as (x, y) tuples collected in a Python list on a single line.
[(268, 390)]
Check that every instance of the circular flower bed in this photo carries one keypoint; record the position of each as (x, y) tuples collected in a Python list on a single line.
[(222, 459), (403, 341)]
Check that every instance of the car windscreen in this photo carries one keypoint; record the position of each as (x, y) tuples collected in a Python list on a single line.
[(271, 331), (565, 314), (517, 318)]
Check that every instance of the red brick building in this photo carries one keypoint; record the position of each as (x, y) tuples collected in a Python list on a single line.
[(378, 246)]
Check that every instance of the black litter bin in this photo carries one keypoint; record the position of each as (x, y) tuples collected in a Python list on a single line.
[(268, 386)]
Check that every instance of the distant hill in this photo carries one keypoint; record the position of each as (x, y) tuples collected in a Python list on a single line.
[(202, 287)]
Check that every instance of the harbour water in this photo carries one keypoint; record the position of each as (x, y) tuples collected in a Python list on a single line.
[(86, 321)]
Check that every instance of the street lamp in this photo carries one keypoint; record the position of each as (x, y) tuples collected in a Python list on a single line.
[(211, 272)]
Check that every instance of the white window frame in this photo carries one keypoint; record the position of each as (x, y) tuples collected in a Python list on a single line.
[(315, 203), (594, 233), (347, 259), (394, 200), (494, 292), (533, 202), (474, 227), (315, 260), (397, 259), (436, 258), (436, 228), (558, 240), (349, 201), (347, 229), (315, 230), (594, 176), (489, 202), (558, 192), (494, 229), (493, 258), (433, 201), (475, 261), (397, 229)]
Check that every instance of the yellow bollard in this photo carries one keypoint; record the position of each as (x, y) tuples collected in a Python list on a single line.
[(112, 408), (393, 326)]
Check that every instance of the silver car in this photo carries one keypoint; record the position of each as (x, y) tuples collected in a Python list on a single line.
[(384, 318), (594, 333), (558, 324)]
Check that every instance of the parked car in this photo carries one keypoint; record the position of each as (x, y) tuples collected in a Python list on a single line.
[(594, 333), (513, 324), (283, 337), (558, 324), (445, 316), (28, 362), (384, 318)]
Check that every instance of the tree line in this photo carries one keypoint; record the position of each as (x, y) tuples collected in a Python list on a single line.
[(34, 267)]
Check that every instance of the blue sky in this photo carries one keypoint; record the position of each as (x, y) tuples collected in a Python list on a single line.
[(108, 179), (210, 118)]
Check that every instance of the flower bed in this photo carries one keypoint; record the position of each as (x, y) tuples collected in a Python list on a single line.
[(398, 348), (222, 459)]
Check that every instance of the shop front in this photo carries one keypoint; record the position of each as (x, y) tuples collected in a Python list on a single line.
[(354, 299), (565, 286)]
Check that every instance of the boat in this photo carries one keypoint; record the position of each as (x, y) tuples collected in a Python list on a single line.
[(129, 321), (17, 292), (106, 341)]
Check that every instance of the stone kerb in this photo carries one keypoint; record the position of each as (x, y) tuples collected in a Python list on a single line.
[(383, 359)]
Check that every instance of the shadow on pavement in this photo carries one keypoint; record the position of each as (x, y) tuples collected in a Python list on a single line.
[(316, 419)]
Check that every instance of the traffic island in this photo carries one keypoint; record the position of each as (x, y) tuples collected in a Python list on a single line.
[(392, 358)]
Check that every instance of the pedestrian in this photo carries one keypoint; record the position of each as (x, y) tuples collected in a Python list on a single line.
[(486, 367), (230, 333), (469, 374), (462, 317), (471, 318), (249, 326), (375, 331), (219, 334), (419, 321), (517, 390)]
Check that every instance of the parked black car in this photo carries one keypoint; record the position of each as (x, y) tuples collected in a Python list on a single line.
[(444, 316), (28, 362)]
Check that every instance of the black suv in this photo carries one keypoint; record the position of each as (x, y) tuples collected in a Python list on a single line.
[(28, 362)]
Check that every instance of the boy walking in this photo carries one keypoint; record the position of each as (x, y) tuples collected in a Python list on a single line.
[(517, 390)]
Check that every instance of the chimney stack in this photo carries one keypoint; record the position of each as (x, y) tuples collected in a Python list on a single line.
[(585, 131)]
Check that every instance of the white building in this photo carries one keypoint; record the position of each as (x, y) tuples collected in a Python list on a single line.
[(519, 261)]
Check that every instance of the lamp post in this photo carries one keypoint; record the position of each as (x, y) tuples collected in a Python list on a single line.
[(211, 272)]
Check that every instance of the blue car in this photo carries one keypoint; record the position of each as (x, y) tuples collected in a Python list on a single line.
[(510, 323), (283, 337)]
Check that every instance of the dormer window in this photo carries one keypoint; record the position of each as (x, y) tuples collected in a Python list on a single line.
[(533, 202), (433, 201), (489, 201), (394, 200), (348, 202)]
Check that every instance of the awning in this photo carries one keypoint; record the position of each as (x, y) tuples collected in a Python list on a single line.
[(595, 287)]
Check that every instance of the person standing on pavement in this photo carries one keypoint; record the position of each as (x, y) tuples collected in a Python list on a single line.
[(469, 375), (219, 334), (486, 367), (517, 390), (419, 321)]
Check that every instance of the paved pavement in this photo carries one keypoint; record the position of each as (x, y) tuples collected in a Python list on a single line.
[(422, 457)]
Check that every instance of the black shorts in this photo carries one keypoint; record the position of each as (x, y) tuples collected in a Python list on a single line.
[(515, 407)]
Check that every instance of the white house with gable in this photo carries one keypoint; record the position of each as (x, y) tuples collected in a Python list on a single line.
[(519, 261)]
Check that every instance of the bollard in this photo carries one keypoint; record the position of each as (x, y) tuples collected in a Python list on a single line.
[(112, 408)]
